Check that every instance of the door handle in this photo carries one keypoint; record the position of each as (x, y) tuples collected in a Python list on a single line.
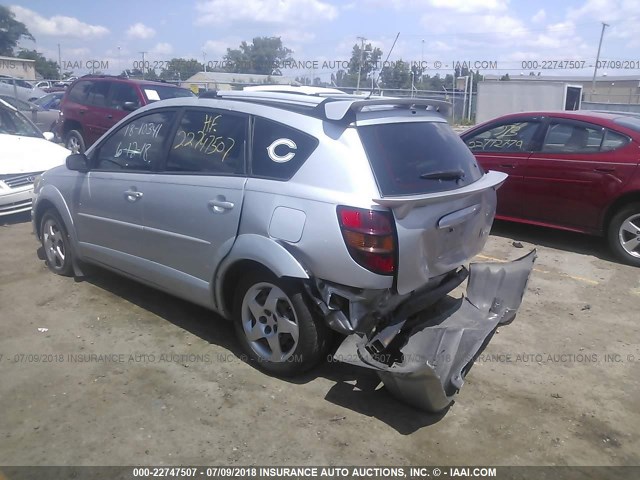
[(507, 165), (109, 116), (220, 204), (81, 112), (132, 195), (604, 169)]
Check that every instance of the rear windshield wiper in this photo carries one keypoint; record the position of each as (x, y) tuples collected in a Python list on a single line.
[(444, 175)]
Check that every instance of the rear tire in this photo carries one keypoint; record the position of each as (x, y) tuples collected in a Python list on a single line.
[(74, 142), (624, 234), (276, 326), (56, 244)]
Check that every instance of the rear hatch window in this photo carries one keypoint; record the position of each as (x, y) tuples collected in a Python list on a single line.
[(418, 157)]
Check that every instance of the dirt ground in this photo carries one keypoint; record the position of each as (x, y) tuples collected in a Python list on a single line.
[(559, 386)]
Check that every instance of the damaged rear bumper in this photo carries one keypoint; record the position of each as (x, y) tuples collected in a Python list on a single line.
[(423, 360)]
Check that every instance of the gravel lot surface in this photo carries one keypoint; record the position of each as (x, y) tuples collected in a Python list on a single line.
[(166, 385)]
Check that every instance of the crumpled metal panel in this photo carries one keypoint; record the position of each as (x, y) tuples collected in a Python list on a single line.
[(441, 349)]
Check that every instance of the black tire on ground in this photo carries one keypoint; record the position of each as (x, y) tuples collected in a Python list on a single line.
[(74, 142), (620, 232), (313, 335), (56, 244)]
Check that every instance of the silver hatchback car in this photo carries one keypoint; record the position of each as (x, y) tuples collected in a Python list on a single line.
[(296, 214)]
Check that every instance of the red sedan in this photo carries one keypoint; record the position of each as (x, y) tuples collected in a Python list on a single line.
[(575, 171)]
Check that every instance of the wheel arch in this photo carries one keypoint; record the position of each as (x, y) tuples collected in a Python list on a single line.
[(251, 251), (620, 202), (50, 198), (69, 125)]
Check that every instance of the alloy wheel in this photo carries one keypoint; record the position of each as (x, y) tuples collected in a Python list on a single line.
[(269, 322)]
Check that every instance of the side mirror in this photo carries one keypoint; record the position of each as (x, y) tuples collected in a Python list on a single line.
[(48, 136), (129, 106), (78, 162)]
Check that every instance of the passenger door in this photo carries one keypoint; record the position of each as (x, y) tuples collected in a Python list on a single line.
[(112, 196), (96, 113), (192, 208), (505, 148), (579, 169)]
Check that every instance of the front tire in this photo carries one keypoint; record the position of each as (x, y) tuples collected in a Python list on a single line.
[(56, 244), (75, 142), (624, 234), (276, 326)]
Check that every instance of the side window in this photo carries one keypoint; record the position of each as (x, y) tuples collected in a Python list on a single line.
[(565, 137), (209, 141), (79, 92), (613, 141), (278, 150), (98, 94), (134, 145), (122, 93), (510, 137)]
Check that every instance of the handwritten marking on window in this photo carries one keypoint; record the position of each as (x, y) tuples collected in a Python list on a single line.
[(205, 140)]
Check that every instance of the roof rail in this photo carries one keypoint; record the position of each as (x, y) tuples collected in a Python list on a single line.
[(334, 107)]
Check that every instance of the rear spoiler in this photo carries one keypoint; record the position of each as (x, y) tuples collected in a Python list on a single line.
[(402, 205), (337, 109)]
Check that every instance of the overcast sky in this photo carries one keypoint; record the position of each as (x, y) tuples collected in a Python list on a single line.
[(507, 32)]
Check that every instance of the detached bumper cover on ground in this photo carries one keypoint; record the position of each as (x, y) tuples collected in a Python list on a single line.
[(441, 347)]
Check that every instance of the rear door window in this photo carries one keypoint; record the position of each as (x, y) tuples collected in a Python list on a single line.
[(418, 157), (569, 137), (279, 150), (209, 142)]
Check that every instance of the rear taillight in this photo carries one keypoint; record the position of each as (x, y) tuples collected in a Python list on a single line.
[(369, 236)]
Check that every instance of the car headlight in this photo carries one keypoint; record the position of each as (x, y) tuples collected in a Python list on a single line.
[(37, 184)]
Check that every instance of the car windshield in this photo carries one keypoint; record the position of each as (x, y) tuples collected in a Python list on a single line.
[(16, 102), (14, 123), (154, 93), (46, 99), (418, 157)]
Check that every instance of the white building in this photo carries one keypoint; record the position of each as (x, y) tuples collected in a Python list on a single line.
[(18, 68), (229, 81)]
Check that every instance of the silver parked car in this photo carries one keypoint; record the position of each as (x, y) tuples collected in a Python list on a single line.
[(297, 214)]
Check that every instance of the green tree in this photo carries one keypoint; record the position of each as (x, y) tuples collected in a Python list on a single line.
[(11, 31), (363, 60), (264, 56), (46, 68), (181, 69), (396, 76)]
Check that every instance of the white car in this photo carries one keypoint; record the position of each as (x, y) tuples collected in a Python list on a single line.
[(16, 87), (25, 153)]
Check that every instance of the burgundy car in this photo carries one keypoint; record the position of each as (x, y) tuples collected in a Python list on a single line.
[(94, 103), (575, 171)]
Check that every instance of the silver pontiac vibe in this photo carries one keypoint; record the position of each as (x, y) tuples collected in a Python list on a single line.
[(296, 213)]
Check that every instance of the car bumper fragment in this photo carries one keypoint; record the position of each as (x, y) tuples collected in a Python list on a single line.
[(438, 349)]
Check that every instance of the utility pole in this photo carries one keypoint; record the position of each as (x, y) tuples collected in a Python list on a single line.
[(362, 40), (59, 62), (143, 64), (595, 67), (204, 60)]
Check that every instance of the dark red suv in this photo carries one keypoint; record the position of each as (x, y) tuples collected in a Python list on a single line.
[(93, 104), (570, 170)]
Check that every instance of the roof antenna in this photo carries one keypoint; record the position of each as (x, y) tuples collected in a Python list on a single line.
[(379, 72)]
